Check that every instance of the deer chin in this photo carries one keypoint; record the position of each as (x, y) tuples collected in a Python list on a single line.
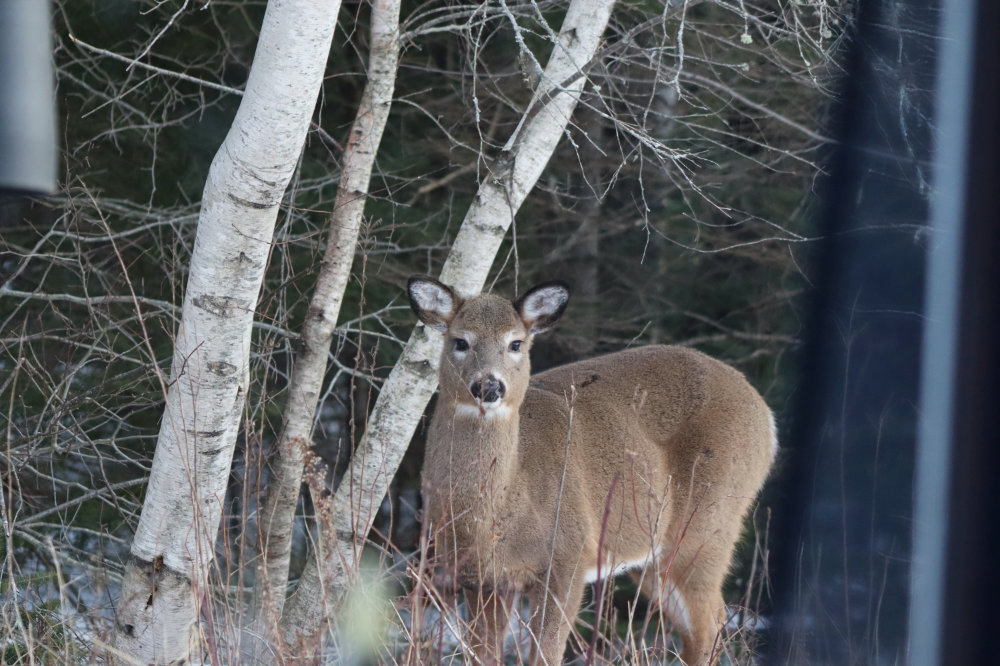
[(487, 411)]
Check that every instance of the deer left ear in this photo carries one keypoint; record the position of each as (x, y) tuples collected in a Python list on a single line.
[(541, 306)]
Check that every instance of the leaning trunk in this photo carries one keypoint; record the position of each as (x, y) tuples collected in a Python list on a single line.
[(166, 578)]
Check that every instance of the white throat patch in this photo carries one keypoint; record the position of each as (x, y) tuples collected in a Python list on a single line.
[(487, 411)]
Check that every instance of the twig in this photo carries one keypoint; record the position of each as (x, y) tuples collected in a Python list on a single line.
[(153, 68)]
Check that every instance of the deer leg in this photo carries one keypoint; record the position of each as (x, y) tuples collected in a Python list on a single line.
[(693, 604), (697, 613), (690, 584), (552, 615), (489, 612)]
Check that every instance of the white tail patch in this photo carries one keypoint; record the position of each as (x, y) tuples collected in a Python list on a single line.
[(774, 435), (612, 569), (672, 602)]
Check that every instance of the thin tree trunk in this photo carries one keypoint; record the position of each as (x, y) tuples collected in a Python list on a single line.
[(166, 578), (411, 383), (324, 309)]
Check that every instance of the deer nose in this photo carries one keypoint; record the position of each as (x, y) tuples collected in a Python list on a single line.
[(488, 389)]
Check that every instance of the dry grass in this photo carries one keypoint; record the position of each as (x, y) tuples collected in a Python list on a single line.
[(398, 614)]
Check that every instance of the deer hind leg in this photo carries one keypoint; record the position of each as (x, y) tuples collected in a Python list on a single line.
[(552, 617), (701, 637), (693, 603), (489, 612)]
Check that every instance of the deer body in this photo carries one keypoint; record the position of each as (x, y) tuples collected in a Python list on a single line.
[(646, 458)]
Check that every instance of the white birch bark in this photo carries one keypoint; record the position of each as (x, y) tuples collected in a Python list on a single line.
[(411, 383), (324, 309), (174, 545)]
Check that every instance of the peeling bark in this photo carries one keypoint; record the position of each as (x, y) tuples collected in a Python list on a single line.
[(411, 383), (174, 545)]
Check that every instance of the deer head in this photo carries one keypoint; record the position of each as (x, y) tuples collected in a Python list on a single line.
[(485, 366)]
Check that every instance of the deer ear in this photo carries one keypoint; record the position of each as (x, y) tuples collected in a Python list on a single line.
[(435, 303), (541, 306)]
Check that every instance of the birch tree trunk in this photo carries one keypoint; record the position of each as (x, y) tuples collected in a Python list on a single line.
[(411, 383), (173, 549), (324, 308)]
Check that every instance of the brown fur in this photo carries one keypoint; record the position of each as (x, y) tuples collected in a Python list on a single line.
[(651, 450)]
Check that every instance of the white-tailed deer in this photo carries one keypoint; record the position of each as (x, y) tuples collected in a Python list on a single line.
[(645, 458)]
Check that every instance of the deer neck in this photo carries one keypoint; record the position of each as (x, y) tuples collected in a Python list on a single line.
[(472, 459)]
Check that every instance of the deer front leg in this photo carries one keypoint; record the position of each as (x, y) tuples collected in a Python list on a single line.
[(553, 612), (489, 612)]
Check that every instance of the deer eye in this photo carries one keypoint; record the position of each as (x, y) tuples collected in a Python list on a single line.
[(461, 344), (516, 345)]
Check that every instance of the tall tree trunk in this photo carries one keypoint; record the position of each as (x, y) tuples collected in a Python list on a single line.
[(174, 546), (324, 309), (411, 383)]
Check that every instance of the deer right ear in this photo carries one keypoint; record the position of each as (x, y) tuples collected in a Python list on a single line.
[(541, 306), (435, 303)]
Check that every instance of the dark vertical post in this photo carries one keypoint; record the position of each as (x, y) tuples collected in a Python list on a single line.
[(957, 532), (841, 569)]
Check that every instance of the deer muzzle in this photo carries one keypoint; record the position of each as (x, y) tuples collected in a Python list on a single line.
[(488, 389)]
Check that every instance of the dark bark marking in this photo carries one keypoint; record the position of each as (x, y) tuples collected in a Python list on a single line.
[(221, 368), (249, 204), (316, 312), (155, 571), (422, 368), (491, 229), (217, 305), (299, 345)]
